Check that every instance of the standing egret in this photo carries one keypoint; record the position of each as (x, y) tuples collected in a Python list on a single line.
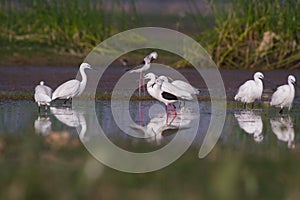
[(165, 92), (284, 95), (42, 95), (172, 89), (250, 90), (185, 86), (147, 62), (72, 88)]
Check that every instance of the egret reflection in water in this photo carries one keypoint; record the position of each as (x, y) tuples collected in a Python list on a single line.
[(162, 124), (71, 118), (283, 128), (251, 123), (42, 125)]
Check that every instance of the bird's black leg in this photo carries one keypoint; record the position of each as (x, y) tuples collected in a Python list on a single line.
[(39, 109), (65, 102), (244, 105), (252, 105), (281, 111), (70, 100)]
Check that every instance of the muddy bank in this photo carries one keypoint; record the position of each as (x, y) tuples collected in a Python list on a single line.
[(24, 78)]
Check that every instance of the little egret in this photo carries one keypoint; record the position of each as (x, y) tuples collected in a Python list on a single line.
[(284, 95), (250, 90), (42, 95), (72, 88), (147, 62)]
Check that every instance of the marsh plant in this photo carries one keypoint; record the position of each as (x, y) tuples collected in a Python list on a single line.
[(73, 25), (253, 33)]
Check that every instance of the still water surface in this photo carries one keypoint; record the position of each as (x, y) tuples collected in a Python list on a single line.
[(259, 127), (43, 157)]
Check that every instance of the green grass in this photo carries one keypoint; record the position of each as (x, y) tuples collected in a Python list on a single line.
[(69, 25), (237, 40), (233, 33)]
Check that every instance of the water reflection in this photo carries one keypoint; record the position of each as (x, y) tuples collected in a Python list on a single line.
[(250, 123), (42, 125), (162, 124), (283, 128), (71, 118)]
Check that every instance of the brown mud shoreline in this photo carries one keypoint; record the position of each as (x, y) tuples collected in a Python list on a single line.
[(18, 81)]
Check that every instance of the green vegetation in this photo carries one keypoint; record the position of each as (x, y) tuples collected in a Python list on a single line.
[(238, 34), (250, 34), (67, 27)]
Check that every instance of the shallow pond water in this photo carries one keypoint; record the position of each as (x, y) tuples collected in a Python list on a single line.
[(43, 156), (254, 145)]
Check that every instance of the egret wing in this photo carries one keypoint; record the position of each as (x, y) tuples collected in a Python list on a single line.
[(170, 88), (279, 96), (67, 89), (185, 86), (40, 97)]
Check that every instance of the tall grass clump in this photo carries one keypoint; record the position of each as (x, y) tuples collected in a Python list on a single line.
[(254, 34), (76, 25)]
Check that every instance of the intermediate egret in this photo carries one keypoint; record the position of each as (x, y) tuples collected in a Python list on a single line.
[(42, 95), (182, 85), (147, 63), (72, 88), (250, 90), (284, 95)]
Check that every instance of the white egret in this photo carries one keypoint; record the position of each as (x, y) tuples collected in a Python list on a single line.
[(284, 95), (172, 89), (251, 90), (72, 88), (165, 92), (147, 63), (182, 85), (42, 95)]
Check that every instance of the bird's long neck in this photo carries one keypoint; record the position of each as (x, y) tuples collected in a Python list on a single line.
[(151, 82), (292, 88), (83, 76), (259, 82), (83, 81)]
